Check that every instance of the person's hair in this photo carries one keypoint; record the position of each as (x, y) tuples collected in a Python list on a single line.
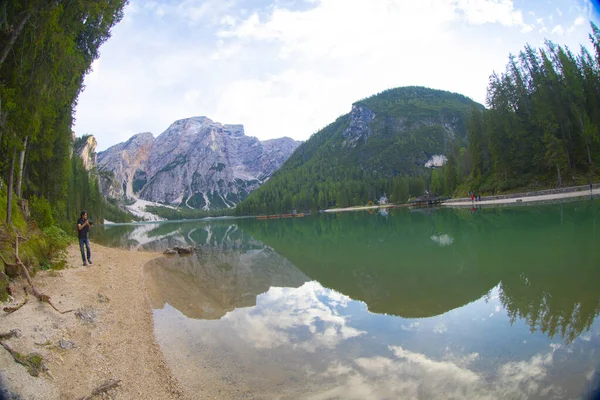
[(82, 212)]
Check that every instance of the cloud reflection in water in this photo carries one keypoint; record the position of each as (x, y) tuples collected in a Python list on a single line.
[(411, 375), (285, 314)]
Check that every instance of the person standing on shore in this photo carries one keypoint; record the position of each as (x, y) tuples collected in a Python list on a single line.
[(83, 229)]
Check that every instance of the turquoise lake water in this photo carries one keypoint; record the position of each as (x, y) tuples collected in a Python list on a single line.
[(428, 303)]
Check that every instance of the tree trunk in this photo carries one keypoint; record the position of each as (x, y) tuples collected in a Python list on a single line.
[(21, 164), (10, 189), (559, 177), (1, 124), (13, 37), (587, 146)]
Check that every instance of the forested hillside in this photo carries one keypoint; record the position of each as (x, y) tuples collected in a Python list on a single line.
[(46, 49), (379, 148), (542, 126), (541, 129)]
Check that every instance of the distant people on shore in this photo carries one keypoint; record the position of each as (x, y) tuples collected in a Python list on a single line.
[(474, 197)]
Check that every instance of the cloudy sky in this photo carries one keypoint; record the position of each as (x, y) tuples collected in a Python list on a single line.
[(290, 67)]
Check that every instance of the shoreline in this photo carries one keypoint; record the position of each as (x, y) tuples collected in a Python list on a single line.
[(516, 198), (521, 199), (359, 208), (113, 337)]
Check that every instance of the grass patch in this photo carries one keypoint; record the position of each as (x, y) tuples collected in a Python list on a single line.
[(41, 250), (32, 361)]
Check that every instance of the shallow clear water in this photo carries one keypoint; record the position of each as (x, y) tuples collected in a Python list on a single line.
[(495, 303)]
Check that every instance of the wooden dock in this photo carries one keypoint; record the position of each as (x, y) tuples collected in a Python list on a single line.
[(279, 216), (427, 200)]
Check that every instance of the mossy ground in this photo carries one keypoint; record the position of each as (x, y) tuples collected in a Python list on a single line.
[(42, 249)]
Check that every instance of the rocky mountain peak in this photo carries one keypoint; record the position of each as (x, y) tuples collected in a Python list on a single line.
[(196, 162), (119, 164)]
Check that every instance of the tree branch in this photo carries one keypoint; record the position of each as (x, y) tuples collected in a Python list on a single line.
[(13, 37), (105, 387)]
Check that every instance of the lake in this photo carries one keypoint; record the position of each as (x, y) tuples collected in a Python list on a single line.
[(426, 303)]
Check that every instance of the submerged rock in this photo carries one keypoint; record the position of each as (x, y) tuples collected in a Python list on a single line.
[(184, 250)]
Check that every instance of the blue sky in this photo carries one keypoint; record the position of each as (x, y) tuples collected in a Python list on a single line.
[(290, 67)]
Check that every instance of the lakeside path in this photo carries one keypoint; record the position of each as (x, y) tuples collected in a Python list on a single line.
[(116, 343), (522, 199)]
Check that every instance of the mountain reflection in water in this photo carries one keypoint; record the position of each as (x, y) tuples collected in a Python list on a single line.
[(212, 282), (493, 304)]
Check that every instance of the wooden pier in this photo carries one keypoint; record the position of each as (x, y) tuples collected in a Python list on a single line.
[(427, 200), (279, 216)]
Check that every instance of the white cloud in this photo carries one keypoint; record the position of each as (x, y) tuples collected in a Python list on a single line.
[(527, 28), (291, 72), (579, 21), (557, 30), (478, 12)]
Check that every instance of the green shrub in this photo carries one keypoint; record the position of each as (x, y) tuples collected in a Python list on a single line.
[(55, 242), (41, 212)]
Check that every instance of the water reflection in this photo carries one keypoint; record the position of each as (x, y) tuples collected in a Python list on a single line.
[(334, 348), (545, 260), (496, 304), (228, 271)]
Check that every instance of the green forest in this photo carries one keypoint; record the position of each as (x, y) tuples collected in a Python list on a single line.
[(46, 49), (333, 170), (542, 123), (540, 129)]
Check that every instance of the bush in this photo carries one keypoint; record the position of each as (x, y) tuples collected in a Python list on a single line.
[(41, 212), (55, 243)]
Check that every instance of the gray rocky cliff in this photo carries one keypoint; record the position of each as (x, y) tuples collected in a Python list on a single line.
[(364, 123), (275, 153), (85, 148), (360, 125), (195, 163), (122, 166)]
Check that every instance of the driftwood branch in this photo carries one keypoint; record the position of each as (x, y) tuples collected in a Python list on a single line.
[(33, 361), (10, 335), (44, 298), (103, 388), (12, 309)]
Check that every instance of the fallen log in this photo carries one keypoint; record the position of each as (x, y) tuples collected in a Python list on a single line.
[(103, 388), (12, 309), (184, 250), (40, 296), (9, 335), (32, 361)]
